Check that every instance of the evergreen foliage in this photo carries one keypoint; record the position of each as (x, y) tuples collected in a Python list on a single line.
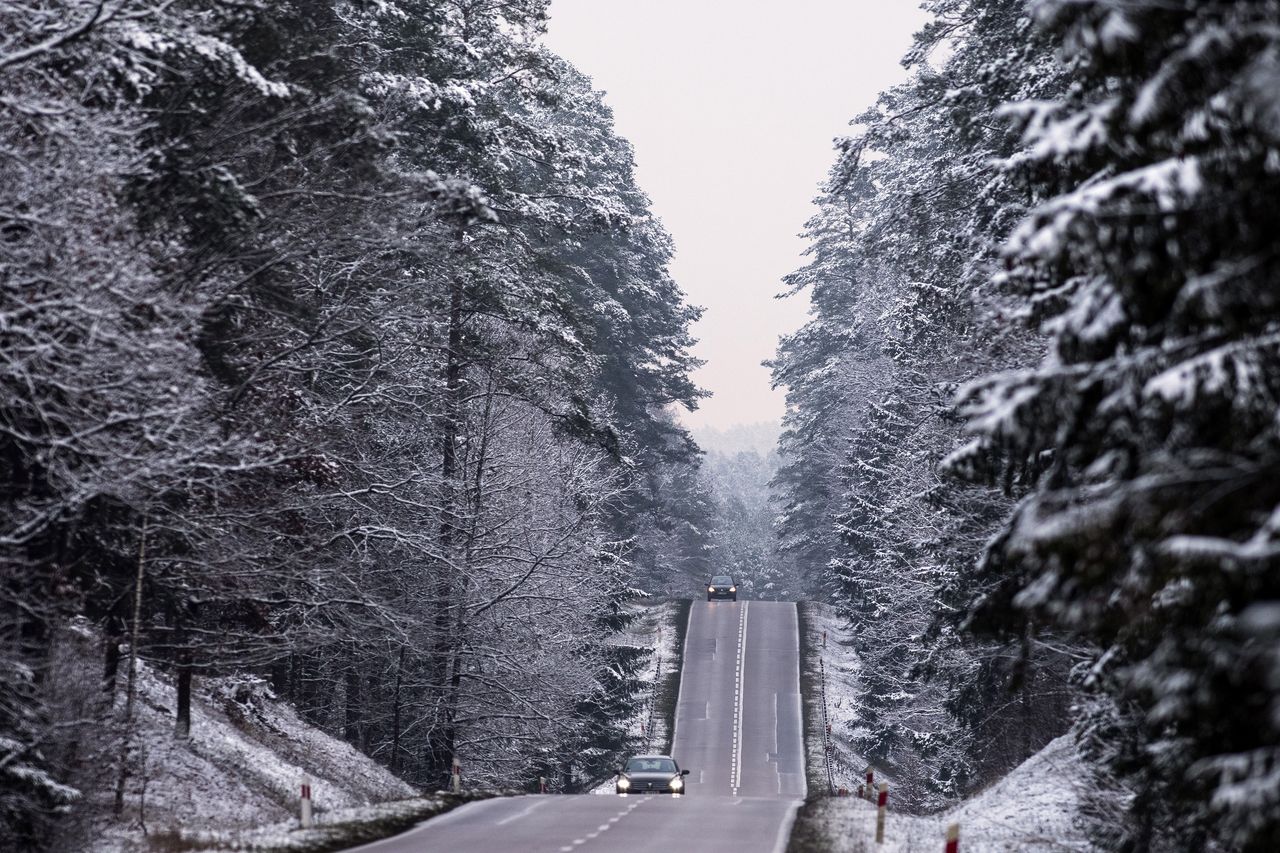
[(1149, 427), (901, 247)]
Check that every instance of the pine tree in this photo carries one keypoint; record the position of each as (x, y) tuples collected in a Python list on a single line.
[(1150, 426)]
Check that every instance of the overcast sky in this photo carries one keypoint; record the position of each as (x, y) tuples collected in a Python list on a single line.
[(731, 106)]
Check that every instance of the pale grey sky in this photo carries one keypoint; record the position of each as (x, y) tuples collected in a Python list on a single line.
[(731, 107)]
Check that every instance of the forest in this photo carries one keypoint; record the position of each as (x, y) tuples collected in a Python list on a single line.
[(338, 350), (340, 358), (1032, 432)]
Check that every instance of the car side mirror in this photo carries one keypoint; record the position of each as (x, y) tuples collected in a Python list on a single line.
[(684, 772)]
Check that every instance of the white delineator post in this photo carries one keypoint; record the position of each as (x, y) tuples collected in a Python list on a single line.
[(306, 802), (882, 805), (953, 838), (455, 780), (542, 784)]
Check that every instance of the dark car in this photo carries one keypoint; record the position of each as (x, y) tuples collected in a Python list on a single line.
[(651, 774), (722, 586)]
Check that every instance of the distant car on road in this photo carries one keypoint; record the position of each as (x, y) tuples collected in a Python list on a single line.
[(651, 774), (722, 586)]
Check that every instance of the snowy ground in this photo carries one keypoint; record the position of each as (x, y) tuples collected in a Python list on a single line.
[(653, 628), (830, 638), (240, 770), (1035, 808), (338, 829)]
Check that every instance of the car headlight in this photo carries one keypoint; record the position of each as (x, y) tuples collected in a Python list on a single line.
[(711, 589), (624, 782), (677, 784), (733, 589)]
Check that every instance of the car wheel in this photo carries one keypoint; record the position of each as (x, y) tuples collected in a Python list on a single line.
[(735, 597), (708, 597)]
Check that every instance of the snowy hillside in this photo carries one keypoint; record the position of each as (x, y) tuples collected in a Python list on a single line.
[(240, 770), (1034, 809)]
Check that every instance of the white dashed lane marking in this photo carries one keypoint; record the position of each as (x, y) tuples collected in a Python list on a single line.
[(738, 701)]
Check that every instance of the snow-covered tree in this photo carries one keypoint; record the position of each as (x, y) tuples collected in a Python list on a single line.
[(338, 342), (901, 248), (1150, 426)]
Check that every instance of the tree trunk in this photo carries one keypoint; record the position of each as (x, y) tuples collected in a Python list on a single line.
[(182, 716), (113, 633), (351, 722), (395, 714), (1028, 672), (127, 743), (182, 725), (440, 739)]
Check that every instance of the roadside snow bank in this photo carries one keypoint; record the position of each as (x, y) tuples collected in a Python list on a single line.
[(240, 769), (1034, 809), (827, 654), (654, 627), (338, 831)]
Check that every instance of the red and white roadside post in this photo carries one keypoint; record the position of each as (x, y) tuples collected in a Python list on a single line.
[(455, 779), (882, 806), (542, 784), (953, 838), (867, 791), (306, 802)]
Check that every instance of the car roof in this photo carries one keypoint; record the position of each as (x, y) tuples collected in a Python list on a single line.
[(651, 756)]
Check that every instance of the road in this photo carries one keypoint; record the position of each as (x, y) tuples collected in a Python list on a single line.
[(738, 730)]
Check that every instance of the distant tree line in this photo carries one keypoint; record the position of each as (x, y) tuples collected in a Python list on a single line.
[(337, 346), (1032, 423)]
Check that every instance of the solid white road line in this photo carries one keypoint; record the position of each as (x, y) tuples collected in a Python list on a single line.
[(464, 811), (804, 769), (518, 815), (688, 632), (784, 829)]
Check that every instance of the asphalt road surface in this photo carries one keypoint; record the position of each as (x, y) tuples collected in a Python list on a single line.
[(738, 731)]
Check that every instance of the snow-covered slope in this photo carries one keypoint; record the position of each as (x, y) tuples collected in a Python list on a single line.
[(653, 628), (1034, 808), (241, 769)]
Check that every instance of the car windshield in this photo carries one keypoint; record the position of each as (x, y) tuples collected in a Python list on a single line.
[(721, 580), (651, 765)]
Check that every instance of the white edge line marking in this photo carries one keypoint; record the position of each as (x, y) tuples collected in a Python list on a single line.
[(804, 768), (438, 820), (684, 652), (784, 828), (520, 814), (777, 744)]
